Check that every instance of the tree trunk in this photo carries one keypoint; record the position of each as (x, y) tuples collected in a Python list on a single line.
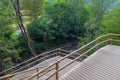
[(21, 26)]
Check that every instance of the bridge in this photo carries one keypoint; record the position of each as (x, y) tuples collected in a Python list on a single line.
[(97, 60)]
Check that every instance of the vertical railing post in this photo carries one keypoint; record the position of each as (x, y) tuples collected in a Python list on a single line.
[(57, 68), (5, 73), (58, 52), (98, 41), (43, 57), (106, 39), (27, 64), (8, 78), (111, 42), (37, 74), (83, 50), (82, 53)]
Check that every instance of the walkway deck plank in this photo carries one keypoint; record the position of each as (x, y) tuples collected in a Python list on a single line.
[(104, 64)]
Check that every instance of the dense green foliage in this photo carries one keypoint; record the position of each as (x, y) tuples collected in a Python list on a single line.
[(9, 50), (54, 22), (111, 22), (64, 25), (32, 7), (101, 13)]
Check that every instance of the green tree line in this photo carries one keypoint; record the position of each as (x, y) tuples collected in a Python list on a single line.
[(49, 23)]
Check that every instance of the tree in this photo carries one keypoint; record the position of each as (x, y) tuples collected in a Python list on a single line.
[(97, 9), (21, 26), (58, 28), (81, 12), (41, 33), (33, 7), (111, 22), (64, 20), (9, 49), (117, 4)]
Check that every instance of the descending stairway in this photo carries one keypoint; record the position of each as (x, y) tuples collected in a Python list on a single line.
[(21, 76), (97, 60), (104, 64)]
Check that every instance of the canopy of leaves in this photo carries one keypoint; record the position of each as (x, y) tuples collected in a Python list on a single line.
[(32, 7), (111, 22), (60, 22), (9, 51)]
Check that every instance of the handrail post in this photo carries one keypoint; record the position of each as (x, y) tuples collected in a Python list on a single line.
[(8, 78), (83, 50), (27, 64), (43, 57), (5, 73), (57, 68), (82, 53), (37, 74), (106, 39), (111, 42), (98, 41), (58, 52)]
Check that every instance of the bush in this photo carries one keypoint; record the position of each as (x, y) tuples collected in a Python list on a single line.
[(50, 30)]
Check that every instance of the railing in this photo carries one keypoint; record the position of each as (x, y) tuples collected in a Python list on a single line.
[(84, 50), (77, 55), (34, 70), (28, 63), (33, 61)]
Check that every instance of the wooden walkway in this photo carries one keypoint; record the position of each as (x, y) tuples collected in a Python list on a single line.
[(100, 65), (104, 64), (21, 76)]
